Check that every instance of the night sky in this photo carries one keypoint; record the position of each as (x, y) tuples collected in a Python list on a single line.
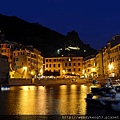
[(95, 21)]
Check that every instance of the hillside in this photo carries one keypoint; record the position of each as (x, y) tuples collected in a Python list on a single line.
[(44, 39)]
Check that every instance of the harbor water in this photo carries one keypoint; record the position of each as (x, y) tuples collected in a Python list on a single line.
[(48, 100)]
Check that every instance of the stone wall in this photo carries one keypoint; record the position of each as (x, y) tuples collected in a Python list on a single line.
[(20, 81), (44, 81)]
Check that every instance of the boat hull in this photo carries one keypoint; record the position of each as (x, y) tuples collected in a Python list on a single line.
[(4, 87), (116, 107), (106, 103)]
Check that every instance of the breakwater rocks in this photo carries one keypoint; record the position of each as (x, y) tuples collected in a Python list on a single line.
[(46, 81)]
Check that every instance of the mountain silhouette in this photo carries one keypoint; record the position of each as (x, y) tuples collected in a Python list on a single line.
[(42, 38)]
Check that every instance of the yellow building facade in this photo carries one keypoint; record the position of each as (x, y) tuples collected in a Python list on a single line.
[(107, 60), (5, 49), (89, 67), (65, 65), (27, 62), (111, 60)]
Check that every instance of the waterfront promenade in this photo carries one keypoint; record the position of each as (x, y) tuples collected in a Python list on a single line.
[(52, 81)]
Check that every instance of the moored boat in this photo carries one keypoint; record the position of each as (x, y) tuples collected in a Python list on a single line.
[(4, 87), (107, 87), (116, 106), (111, 100)]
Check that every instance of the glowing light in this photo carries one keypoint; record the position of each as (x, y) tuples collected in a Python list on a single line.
[(83, 85), (63, 86), (31, 72), (74, 48), (25, 87), (63, 71), (93, 69), (72, 72), (5, 88), (73, 86), (41, 87), (25, 68), (110, 66), (41, 71)]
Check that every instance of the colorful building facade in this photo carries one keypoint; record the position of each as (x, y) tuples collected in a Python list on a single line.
[(65, 65), (27, 62)]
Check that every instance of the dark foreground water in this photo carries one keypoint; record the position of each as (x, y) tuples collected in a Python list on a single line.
[(31, 101)]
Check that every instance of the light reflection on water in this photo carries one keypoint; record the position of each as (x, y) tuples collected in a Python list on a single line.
[(44, 100)]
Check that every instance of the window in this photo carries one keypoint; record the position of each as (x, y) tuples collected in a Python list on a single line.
[(78, 69), (69, 70), (53, 65), (49, 65), (65, 64), (78, 64), (46, 65), (28, 59), (58, 65), (69, 64), (54, 60), (70, 59), (74, 64), (4, 50), (60, 60), (16, 59)]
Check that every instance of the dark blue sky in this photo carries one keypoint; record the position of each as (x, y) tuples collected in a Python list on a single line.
[(95, 21)]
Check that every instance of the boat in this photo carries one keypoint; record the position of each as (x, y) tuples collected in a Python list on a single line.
[(107, 87), (4, 87), (109, 100), (115, 107)]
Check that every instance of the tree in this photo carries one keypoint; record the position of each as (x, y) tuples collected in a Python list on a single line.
[(47, 73), (56, 73)]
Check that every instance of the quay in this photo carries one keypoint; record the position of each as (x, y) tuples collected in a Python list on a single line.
[(54, 81), (46, 81)]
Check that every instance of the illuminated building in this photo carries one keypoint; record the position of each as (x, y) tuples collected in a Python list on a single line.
[(107, 60), (65, 65), (89, 67), (27, 62)]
